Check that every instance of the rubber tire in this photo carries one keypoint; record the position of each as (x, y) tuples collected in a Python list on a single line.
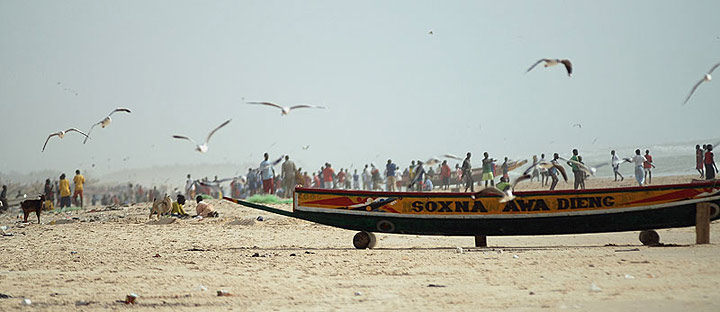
[(364, 240), (649, 238)]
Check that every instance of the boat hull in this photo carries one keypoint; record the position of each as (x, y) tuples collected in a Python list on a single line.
[(530, 213)]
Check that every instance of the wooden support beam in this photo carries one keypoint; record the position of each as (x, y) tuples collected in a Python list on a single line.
[(480, 241), (702, 223)]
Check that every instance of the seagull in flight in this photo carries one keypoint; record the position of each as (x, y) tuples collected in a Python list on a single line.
[(61, 134), (202, 148), (106, 121), (430, 32), (707, 78), (451, 156), (306, 147), (286, 109), (553, 62), (577, 125), (507, 195)]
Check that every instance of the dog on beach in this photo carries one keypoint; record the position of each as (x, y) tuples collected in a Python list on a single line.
[(31, 205), (161, 207)]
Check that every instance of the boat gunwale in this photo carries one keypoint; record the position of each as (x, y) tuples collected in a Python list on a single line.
[(691, 185)]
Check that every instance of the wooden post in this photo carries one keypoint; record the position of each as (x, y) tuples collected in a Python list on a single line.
[(702, 223), (480, 241)]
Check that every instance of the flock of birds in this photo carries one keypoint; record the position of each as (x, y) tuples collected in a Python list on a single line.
[(202, 148), (104, 123)]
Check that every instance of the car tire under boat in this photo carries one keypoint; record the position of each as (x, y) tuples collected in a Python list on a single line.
[(364, 240)]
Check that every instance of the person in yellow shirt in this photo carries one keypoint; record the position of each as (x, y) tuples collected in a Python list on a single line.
[(79, 181), (177, 207), (64, 186)]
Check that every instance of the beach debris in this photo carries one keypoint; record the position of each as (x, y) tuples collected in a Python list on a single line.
[(292, 255), (628, 276), (309, 253), (357, 293), (435, 285), (82, 303), (4, 227), (516, 257), (459, 250), (260, 218), (595, 288), (26, 301), (195, 249), (499, 251), (73, 252), (5, 296), (256, 255), (130, 298), (223, 293), (627, 250), (531, 293), (201, 288), (156, 255)]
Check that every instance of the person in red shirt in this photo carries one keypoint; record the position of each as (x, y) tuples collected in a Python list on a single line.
[(710, 167), (341, 178), (445, 175), (328, 176), (648, 166)]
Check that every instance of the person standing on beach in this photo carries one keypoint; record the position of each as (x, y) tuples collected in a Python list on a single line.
[(467, 173), (710, 167), (615, 163), (648, 166), (544, 178), (267, 175), (366, 178), (488, 175), (79, 180), (505, 170), (289, 171), (356, 180), (699, 160), (190, 186), (638, 161), (445, 175), (3, 198), (579, 175), (535, 171), (64, 192), (328, 174), (552, 172), (390, 169)]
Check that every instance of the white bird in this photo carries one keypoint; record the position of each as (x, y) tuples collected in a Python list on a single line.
[(451, 156), (202, 148), (430, 32), (306, 147), (589, 170), (577, 125), (106, 121), (553, 62), (286, 109), (705, 78), (61, 134)]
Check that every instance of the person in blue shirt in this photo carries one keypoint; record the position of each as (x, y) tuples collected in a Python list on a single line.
[(390, 169)]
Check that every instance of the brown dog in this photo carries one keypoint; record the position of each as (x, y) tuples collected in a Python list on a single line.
[(31, 205), (161, 207)]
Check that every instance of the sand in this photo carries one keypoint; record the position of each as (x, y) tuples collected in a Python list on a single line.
[(91, 259)]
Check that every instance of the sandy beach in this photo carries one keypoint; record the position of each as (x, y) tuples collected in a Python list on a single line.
[(90, 259)]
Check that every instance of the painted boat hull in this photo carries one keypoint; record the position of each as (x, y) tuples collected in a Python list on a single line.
[(531, 213)]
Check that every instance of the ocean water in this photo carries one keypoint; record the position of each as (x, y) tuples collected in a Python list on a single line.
[(669, 159)]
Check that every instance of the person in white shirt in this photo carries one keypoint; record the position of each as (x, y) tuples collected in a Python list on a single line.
[(638, 161), (615, 163), (189, 187)]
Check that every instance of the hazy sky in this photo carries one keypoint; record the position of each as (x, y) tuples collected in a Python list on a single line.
[(392, 90)]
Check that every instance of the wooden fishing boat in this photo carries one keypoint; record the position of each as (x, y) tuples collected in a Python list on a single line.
[(482, 214)]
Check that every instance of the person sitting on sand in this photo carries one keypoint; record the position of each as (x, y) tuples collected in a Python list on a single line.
[(204, 210), (177, 207)]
